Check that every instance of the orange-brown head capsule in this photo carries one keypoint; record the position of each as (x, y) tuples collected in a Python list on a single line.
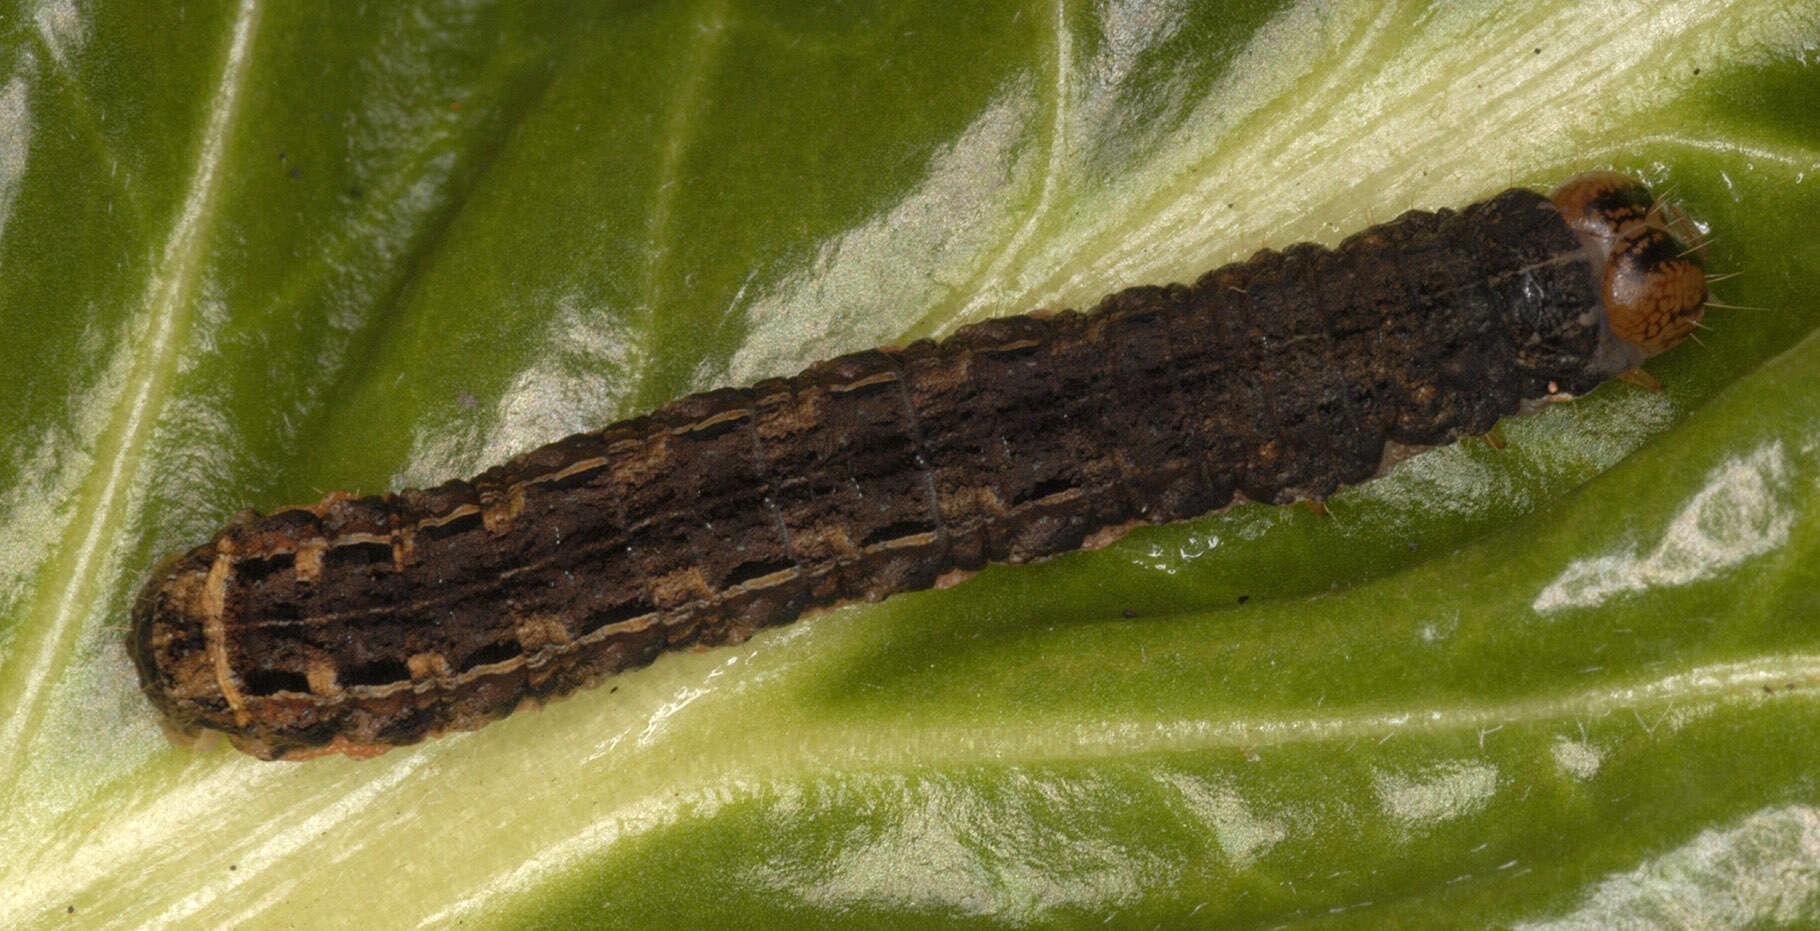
[(1646, 256)]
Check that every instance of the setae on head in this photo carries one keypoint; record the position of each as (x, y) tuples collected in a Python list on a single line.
[(1651, 280)]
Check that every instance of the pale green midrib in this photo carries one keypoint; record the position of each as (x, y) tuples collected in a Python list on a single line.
[(976, 293), (68, 584), (1287, 118)]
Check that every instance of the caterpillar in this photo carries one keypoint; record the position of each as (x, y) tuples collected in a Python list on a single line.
[(358, 624)]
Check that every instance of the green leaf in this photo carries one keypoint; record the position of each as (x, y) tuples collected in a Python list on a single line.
[(251, 254)]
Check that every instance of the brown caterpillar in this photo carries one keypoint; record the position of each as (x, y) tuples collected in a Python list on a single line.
[(359, 624)]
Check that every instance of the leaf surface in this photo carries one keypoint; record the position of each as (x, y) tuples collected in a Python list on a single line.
[(251, 254)]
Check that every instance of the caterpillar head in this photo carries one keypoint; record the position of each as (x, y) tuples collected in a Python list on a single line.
[(1646, 254)]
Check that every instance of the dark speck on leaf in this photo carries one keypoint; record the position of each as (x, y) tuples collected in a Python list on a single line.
[(1130, 613), (295, 173), (1244, 598)]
